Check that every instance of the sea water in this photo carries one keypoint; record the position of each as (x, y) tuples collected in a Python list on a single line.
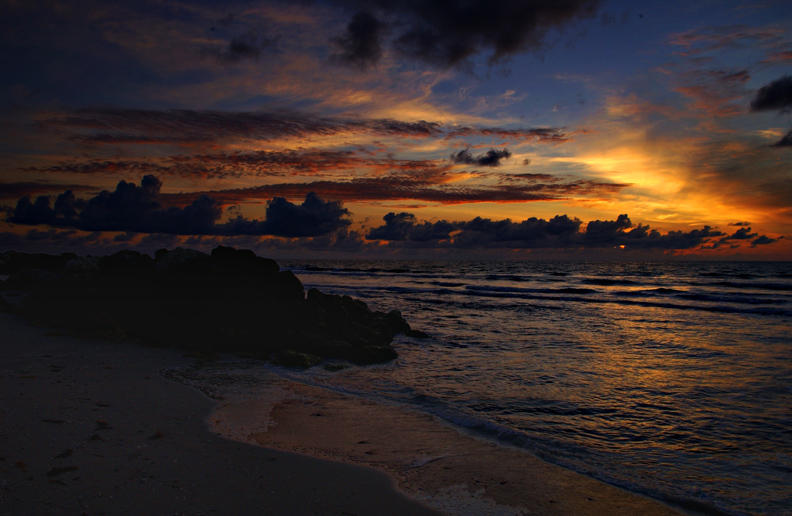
[(669, 379)]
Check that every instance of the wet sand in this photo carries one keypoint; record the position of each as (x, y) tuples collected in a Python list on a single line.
[(94, 427), (89, 427), (430, 460)]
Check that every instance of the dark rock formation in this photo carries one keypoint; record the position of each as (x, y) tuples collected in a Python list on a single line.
[(229, 301)]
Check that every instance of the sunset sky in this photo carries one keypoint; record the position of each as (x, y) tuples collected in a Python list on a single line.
[(416, 127)]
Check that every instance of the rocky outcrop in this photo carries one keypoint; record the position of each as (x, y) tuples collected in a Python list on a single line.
[(228, 301)]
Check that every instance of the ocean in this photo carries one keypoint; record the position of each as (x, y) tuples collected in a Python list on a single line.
[(669, 379), (672, 380)]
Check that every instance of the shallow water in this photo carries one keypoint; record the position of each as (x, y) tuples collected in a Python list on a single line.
[(671, 379)]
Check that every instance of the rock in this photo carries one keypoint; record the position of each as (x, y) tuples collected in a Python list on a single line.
[(26, 278), (396, 322), (242, 261), (13, 261), (181, 260), (372, 355), (126, 262), (291, 358), (288, 287), (82, 265), (229, 301)]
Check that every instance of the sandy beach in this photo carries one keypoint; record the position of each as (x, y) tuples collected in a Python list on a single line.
[(94, 427), (91, 427)]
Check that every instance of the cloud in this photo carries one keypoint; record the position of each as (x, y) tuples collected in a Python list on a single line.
[(16, 190), (117, 125), (776, 95), (606, 232), (560, 231), (786, 141), (779, 57), (311, 218), (360, 45), (541, 134), (491, 158), (138, 139), (236, 164), (431, 184), (240, 49), (102, 167), (403, 226), (743, 175), (138, 209), (763, 240), (700, 41), (715, 91), (744, 233), (527, 177), (446, 33), (247, 46), (199, 128)]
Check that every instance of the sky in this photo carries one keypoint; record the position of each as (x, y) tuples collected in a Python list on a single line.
[(407, 128)]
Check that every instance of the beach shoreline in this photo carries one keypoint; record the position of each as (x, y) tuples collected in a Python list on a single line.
[(430, 460), (92, 426)]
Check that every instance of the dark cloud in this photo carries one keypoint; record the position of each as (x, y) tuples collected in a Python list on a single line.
[(644, 238), (491, 158), (311, 218), (245, 42), (236, 164), (763, 240), (541, 134), (241, 49), (558, 232), (530, 178), (17, 190), (776, 95), (744, 233), (403, 227), (138, 139), (360, 45), (69, 240), (103, 167), (754, 177), (207, 129), (138, 209), (446, 32), (117, 125), (432, 184), (607, 232), (786, 141), (249, 45)]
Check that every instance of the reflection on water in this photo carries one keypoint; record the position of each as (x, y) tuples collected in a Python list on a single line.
[(671, 379)]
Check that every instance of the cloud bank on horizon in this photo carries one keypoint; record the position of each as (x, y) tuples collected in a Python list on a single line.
[(133, 209), (470, 125)]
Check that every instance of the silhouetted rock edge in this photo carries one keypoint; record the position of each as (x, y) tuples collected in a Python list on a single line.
[(228, 301)]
